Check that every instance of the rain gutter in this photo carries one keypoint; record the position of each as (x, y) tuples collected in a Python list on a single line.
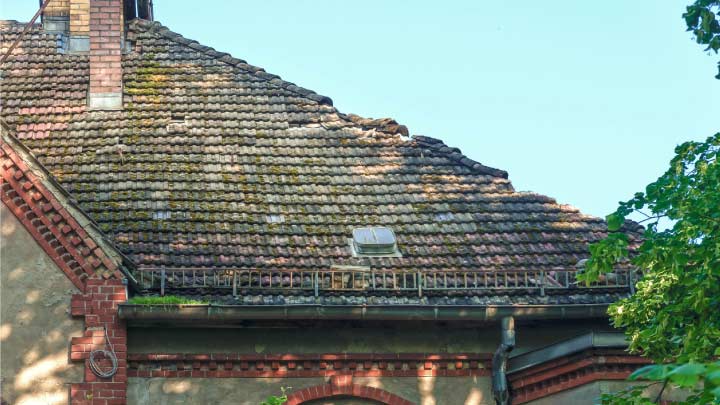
[(223, 314)]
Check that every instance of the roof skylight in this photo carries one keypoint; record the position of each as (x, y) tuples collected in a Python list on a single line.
[(374, 241)]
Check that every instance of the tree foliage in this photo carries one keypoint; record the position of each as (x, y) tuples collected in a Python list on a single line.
[(674, 315), (701, 18), (277, 400)]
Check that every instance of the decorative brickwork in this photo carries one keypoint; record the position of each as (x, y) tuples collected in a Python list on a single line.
[(572, 371), (342, 386), (99, 307), (238, 365), (45, 215)]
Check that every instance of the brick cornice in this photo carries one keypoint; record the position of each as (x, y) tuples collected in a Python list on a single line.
[(239, 365), (49, 217), (572, 371)]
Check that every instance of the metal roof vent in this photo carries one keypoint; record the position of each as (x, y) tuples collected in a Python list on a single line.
[(374, 242), (177, 124)]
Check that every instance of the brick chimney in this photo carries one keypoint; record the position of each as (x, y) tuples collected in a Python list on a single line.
[(106, 39), (97, 28)]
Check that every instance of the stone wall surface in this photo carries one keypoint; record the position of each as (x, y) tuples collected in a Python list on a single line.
[(35, 324), (251, 391)]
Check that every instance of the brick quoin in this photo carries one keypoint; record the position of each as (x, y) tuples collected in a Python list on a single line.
[(105, 46), (99, 305)]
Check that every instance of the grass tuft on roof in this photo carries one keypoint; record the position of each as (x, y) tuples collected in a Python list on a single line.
[(166, 300)]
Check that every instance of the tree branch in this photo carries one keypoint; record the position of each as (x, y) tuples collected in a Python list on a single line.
[(659, 395)]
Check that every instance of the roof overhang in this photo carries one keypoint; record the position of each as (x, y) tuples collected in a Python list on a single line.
[(226, 315), (593, 340)]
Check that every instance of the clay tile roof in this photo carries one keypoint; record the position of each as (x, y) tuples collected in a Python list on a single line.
[(208, 146)]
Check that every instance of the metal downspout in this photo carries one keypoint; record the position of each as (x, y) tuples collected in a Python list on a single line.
[(500, 361)]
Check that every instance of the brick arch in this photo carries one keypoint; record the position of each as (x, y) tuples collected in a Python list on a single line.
[(342, 386)]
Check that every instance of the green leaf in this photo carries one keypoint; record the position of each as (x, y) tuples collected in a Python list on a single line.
[(614, 222), (714, 377), (687, 375), (651, 372)]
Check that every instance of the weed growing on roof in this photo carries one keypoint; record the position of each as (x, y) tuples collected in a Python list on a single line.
[(166, 300)]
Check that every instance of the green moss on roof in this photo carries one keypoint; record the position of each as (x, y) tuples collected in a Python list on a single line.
[(166, 300)]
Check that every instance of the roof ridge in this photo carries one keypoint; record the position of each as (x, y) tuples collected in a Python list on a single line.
[(158, 28), (455, 154)]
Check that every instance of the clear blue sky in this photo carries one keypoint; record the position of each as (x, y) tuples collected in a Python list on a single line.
[(582, 101)]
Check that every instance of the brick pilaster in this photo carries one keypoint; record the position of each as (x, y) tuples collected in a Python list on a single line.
[(99, 306), (106, 31)]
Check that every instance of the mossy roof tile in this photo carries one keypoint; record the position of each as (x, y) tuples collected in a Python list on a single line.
[(208, 145)]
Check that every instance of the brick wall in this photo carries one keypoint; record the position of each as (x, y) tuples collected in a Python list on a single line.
[(105, 46), (99, 308), (79, 17), (57, 8)]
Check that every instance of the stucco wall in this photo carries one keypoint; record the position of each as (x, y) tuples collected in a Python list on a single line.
[(251, 391), (35, 323)]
